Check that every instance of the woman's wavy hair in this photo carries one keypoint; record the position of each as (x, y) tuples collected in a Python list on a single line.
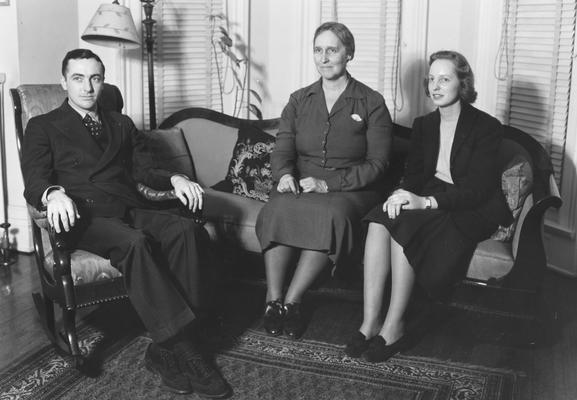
[(467, 92), (342, 32)]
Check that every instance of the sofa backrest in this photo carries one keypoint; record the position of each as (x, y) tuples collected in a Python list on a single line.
[(211, 137)]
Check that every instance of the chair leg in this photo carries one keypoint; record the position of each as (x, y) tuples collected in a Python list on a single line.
[(69, 325), (45, 308)]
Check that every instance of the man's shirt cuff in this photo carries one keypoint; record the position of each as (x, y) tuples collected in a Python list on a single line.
[(48, 190)]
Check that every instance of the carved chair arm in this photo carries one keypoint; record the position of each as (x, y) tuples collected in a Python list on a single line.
[(166, 196)]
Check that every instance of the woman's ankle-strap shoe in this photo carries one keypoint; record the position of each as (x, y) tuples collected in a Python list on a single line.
[(274, 317), (294, 325)]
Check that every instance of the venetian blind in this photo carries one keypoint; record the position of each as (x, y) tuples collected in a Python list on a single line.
[(534, 69), (375, 24), (184, 69)]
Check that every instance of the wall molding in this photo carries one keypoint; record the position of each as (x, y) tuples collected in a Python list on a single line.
[(414, 30)]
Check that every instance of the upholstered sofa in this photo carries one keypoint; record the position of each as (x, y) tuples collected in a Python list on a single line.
[(216, 150), (514, 257)]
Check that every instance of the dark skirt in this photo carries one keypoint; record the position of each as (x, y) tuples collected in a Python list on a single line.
[(328, 222), (437, 248)]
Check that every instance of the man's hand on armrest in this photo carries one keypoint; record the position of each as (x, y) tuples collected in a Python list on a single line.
[(61, 211), (188, 192)]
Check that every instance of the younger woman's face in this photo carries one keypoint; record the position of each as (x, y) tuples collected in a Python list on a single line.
[(444, 85)]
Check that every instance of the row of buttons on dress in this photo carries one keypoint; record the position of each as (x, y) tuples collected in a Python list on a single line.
[(324, 142)]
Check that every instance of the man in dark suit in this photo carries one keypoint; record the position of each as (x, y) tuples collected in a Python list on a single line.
[(82, 164)]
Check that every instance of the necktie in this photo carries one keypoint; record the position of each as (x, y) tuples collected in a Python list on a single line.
[(95, 128)]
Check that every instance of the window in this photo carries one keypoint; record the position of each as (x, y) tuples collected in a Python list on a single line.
[(184, 69), (375, 25), (186, 74), (534, 68)]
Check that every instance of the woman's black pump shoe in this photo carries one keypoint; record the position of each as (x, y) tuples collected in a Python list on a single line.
[(294, 325), (357, 345), (274, 317), (380, 351)]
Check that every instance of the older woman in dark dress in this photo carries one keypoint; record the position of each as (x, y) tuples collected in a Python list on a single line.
[(330, 157), (449, 200)]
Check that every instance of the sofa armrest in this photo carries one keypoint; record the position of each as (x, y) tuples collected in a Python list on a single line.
[(530, 258)]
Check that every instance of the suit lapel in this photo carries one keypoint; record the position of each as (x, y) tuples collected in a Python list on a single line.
[(70, 125), (431, 141), (464, 127), (113, 130)]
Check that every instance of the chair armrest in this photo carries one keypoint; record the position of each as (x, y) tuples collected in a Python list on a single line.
[(38, 217), (61, 268), (61, 253), (166, 196), (155, 195)]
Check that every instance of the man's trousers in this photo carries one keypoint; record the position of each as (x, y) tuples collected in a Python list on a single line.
[(161, 256)]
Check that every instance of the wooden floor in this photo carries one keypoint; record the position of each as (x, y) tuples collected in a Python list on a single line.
[(551, 369)]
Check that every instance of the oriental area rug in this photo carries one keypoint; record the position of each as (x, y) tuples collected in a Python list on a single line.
[(257, 366)]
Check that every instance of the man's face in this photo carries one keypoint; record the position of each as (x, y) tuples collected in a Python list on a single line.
[(84, 82)]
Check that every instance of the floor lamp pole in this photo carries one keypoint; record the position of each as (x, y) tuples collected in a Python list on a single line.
[(148, 23), (5, 257)]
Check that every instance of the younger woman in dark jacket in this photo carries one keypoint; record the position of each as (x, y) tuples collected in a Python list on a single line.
[(449, 200)]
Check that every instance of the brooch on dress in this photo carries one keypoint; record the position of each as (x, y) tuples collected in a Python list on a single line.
[(356, 117)]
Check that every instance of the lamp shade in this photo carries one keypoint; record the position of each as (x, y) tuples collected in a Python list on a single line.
[(112, 26)]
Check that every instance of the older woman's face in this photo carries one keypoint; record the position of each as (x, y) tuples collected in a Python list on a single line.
[(444, 84), (330, 56)]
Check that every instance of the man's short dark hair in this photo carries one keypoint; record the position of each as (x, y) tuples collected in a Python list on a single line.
[(467, 92), (78, 54)]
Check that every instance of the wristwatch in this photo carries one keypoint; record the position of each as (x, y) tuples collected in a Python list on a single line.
[(428, 203)]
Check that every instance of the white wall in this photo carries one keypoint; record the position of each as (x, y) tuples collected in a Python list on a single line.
[(42, 41), (9, 64)]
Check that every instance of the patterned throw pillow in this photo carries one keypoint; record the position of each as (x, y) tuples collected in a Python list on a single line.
[(249, 173), (516, 183)]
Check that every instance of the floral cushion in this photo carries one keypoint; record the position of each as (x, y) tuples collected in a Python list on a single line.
[(516, 183), (249, 172), (86, 267)]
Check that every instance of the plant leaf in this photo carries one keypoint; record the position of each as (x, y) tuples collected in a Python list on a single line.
[(227, 41), (255, 110), (233, 57), (223, 31), (256, 95)]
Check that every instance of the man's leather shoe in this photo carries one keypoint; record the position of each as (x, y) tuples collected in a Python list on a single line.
[(294, 324), (204, 379), (163, 363), (274, 317), (357, 345), (380, 351)]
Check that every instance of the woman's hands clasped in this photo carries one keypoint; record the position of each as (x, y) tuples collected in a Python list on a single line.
[(288, 183), (403, 200)]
